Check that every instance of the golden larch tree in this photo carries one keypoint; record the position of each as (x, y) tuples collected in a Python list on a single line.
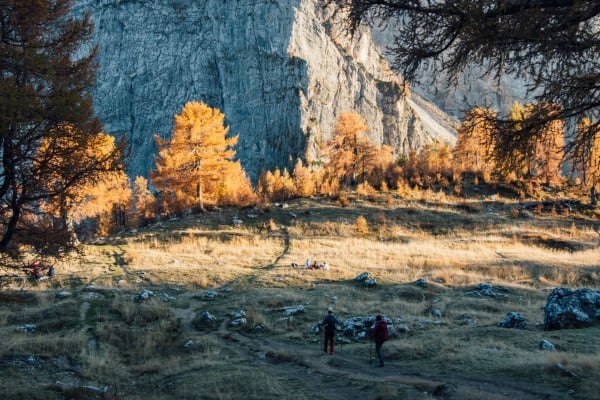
[(474, 145), (196, 166), (350, 152)]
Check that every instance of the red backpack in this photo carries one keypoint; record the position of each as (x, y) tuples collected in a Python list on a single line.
[(381, 330)]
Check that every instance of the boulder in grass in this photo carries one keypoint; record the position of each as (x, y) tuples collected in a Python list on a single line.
[(289, 311), (370, 282), (205, 321), (363, 277), (566, 308), (513, 320)]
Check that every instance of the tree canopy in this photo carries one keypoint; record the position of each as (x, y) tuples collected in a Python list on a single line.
[(554, 43), (48, 133), (196, 165)]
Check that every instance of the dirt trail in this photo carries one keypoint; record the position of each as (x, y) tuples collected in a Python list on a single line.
[(341, 375)]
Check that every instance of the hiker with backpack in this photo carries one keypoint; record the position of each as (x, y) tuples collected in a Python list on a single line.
[(380, 334), (329, 322)]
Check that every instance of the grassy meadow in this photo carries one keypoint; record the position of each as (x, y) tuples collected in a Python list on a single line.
[(95, 341)]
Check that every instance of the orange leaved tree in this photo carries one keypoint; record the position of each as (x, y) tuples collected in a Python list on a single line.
[(197, 167), (350, 152)]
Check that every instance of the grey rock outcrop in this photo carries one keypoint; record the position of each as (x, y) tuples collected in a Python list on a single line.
[(566, 308), (280, 70), (513, 320)]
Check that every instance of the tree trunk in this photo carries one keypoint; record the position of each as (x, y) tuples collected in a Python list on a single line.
[(593, 197), (10, 229)]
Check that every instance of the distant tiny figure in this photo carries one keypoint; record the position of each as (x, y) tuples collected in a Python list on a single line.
[(380, 335), (329, 322), (307, 264), (315, 265), (51, 271), (35, 270), (324, 266)]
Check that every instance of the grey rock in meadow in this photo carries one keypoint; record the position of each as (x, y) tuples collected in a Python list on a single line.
[(205, 321), (513, 320), (238, 314), (289, 311), (436, 312), (566, 308), (63, 294), (370, 282), (421, 283), (545, 344), (143, 295), (281, 71), (364, 276), (239, 322), (359, 327), (31, 328)]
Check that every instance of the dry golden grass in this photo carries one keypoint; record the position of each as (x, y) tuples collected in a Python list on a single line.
[(138, 348)]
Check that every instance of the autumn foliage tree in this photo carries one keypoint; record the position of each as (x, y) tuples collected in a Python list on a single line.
[(537, 154), (95, 195), (586, 157), (350, 152), (196, 166), (47, 127), (474, 146)]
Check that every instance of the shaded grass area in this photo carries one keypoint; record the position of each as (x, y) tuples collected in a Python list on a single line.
[(100, 343)]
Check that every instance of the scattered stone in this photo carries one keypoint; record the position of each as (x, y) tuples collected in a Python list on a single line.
[(402, 328), (238, 314), (211, 295), (206, 316), (513, 320), (63, 295), (143, 295), (91, 296), (436, 313), (237, 221), (364, 277), (421, 282), (571, 309), (205, 321), (27, 328), (239, 322), (486, 289), (359, 327), (188, 344), (166, 297), (95, 389), (289, 311), (546, 345), (370, 282)]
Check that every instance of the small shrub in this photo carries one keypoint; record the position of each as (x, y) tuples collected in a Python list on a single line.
[(343, 200), (362, 226)]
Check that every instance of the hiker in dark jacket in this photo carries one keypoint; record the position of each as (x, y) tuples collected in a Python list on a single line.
[(380, 335), (329, 322)]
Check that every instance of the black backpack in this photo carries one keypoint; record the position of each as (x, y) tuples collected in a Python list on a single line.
[(330, 324)]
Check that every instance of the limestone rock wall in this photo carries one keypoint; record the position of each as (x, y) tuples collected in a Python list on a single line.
[(279, 70)]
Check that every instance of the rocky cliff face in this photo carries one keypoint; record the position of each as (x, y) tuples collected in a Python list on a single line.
[(279, 70), (473, 88)]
